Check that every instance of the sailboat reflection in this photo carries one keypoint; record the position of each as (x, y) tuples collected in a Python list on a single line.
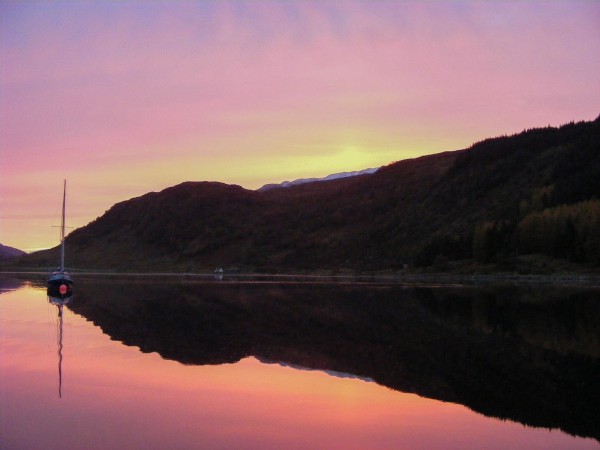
[(59, 301)]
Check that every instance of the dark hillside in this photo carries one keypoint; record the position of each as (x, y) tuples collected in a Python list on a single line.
[(497, 184), (504, 203), (7, 252)]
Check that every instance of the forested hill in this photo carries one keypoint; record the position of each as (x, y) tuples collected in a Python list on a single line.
[(507, 202)]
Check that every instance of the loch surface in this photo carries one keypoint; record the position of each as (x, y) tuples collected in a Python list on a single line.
[(243, 363)]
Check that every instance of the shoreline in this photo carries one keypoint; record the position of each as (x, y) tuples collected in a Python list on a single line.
[(420, 278)]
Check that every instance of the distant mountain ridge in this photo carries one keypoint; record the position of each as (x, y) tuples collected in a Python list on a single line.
[(334, 176), (514, 203), (7, 252)]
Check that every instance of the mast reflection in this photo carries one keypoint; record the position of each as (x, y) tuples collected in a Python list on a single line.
[(59, 300)]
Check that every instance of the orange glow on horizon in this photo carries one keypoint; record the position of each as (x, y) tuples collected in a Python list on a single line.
[(91, 191)]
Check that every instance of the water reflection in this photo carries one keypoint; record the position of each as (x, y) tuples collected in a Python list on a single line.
[(527, 354), (59, 300)]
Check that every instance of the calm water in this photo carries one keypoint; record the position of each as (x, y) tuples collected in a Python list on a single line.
[(269, 365)]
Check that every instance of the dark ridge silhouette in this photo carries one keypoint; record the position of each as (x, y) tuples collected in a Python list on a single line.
[(523, 203), (529, 355), (7, 252)]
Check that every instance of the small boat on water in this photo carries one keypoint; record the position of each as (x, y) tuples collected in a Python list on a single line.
[(60, 284)]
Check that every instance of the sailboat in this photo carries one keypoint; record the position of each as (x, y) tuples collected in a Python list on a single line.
[(60, 284)]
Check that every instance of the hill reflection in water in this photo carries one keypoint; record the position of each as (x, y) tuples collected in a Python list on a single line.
[(527, 354)]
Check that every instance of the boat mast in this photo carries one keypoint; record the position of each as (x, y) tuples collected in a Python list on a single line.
[(62, 230)]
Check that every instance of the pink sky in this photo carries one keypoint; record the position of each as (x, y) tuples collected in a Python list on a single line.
[(123, 98)]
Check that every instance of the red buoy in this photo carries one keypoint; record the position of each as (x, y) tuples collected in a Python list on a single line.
[(62, 289)]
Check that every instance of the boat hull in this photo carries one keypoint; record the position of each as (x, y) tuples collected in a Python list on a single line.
[(60, 285)]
